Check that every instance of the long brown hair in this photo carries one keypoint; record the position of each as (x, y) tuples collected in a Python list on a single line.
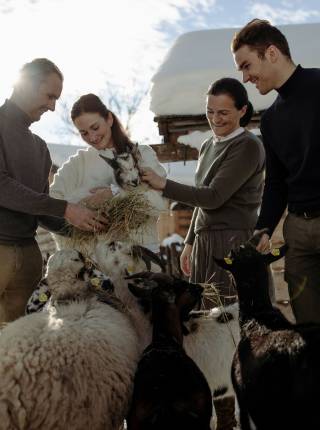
[(90, 103)]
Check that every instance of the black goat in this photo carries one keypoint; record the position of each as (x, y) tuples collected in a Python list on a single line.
[(170, 391), (275, 371)]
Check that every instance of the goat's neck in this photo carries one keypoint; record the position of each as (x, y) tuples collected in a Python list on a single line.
[(167, 324), (253, 293), (255, 304)]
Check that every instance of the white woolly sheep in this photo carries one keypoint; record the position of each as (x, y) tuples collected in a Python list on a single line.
[(70, 366)]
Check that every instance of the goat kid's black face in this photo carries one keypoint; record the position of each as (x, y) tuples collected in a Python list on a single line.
[(247, 258), (166, 290)]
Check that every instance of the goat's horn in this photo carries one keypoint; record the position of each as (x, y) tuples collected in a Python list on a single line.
[(143, 275), (148, 256)]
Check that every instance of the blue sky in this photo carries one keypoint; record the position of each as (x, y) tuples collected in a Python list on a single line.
[(122, 42)]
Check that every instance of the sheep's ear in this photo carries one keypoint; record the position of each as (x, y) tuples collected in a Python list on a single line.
[(147, 256), (142, 289), (275, 254), (255, 239), (224, 263), (111, 161)]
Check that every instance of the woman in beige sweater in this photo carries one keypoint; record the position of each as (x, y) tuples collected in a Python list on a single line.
[(229, 183)]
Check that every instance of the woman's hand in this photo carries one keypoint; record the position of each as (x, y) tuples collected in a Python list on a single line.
[(98, 197), (155, 181), (185, 259)]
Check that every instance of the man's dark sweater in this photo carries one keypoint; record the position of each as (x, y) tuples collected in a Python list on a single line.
[(24, 169), (291, 134)]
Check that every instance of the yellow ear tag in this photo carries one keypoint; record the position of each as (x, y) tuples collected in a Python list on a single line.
[(130, 269), (228, 260), (96, 282), (43, 297), (275, 252)]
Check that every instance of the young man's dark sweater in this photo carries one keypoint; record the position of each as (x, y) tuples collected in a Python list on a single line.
[(291, 134)]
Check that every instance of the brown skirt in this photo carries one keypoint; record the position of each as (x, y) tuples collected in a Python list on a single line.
[(216, 243)]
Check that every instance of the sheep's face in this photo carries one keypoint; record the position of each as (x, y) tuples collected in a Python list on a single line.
[(66, 259), (126, 170), (115, 259)]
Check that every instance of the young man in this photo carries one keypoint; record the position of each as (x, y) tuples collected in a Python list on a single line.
[(291, 133), (24, 201)]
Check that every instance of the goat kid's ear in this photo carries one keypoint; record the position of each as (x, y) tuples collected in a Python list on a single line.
[(224, 263), (111, 161), (135, 152), (275, 254)]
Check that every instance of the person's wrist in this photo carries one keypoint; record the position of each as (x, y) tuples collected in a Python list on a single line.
[(163, 183)]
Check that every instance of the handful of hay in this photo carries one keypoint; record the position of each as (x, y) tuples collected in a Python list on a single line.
[(126, 213), (211, 294)]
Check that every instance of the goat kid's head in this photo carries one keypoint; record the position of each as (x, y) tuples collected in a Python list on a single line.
[(126, 168), (162, 289), (246, 263)]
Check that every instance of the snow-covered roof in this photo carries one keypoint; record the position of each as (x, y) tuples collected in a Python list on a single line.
[(199, 58)]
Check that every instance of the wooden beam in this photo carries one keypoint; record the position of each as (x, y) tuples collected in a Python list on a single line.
[(167, 152), (171, 127)]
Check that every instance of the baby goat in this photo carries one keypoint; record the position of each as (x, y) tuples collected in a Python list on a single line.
[(170, 391), (126, 167), (275, 370)]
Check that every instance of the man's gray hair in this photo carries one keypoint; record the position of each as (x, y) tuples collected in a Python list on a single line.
[(38, 69)]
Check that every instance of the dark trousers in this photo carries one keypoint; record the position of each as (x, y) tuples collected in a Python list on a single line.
[(302, 266), (20, 273)]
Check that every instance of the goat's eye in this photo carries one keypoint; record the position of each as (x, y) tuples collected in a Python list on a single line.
[(76, 259)]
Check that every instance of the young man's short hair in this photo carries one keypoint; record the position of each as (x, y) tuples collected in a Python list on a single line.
[(259, 34)]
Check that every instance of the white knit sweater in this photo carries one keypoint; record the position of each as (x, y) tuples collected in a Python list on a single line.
[(87, 170)]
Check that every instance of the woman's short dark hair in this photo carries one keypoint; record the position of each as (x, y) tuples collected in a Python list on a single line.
[(259, 34), (90, 103), (38, 69), (234, 89)]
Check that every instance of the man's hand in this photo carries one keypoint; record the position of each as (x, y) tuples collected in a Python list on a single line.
[(84, 218), (264, 244), (155, 181), (185, 259), (98, 197)]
